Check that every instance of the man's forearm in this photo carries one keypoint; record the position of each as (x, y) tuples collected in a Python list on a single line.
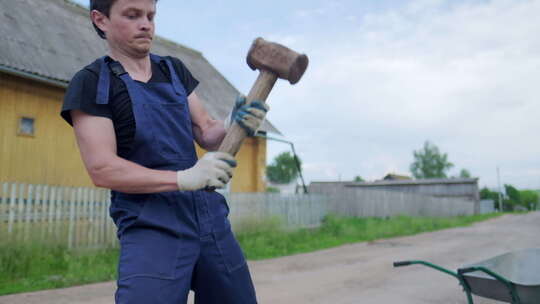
[(126, 176), (212, 136)]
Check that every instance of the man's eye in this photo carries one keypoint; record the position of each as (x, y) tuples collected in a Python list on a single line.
[(132, 15)]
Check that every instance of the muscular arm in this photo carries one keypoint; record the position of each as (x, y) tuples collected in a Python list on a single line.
[(97, 144), (208, 132)]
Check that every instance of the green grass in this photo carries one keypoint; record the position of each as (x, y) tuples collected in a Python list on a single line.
[(270, 241), (25, 268)]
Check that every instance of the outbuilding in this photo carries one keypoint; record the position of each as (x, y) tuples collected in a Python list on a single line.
[(463, 188)]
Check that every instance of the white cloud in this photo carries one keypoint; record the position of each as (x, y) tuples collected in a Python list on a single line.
[(464, 76), (387, 75)]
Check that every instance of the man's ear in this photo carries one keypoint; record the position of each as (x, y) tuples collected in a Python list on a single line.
[(99, 19)]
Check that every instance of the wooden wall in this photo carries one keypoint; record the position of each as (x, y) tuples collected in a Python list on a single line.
[(52, 157), (249, 175)]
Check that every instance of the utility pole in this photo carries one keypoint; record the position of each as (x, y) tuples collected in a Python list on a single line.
[(500, 190)]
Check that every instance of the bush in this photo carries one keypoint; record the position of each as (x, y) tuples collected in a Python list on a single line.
[(272, 190)]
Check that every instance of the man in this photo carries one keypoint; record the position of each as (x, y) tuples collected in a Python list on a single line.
[(135, 117)]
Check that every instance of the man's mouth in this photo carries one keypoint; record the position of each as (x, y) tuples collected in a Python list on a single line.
[(143, 37)]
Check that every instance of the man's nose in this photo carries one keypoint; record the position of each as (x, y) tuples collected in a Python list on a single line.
[(146, 25)]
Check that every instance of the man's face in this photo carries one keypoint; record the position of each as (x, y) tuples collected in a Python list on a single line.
[(130, 26)]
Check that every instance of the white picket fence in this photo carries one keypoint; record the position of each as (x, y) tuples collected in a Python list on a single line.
[(294, 210), (79, 217)]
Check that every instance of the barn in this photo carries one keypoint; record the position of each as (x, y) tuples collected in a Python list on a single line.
[(449, 194), (462, 188)]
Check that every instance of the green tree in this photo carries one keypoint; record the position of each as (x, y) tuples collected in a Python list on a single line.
[(513, 198), (485, 193), (358, 179), (529, 199), (464, 173), (283, 169), (429, 162), (512, 193)]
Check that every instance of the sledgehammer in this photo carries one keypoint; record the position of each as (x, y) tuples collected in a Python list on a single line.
[(274, 61)]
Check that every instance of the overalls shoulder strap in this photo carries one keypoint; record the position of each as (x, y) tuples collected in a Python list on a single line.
[(177, 85), (102, 96)]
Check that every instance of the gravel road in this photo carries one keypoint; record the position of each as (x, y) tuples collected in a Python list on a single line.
[(359, 273)]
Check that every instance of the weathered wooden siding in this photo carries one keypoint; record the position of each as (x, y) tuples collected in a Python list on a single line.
[(249, 175), (465, 190), (368, 202), (52, 156), (462, 188)]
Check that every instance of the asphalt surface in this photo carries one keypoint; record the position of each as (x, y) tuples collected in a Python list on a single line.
[(359, 273)]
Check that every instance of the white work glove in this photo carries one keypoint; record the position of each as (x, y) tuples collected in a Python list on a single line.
[(213, 170), (250, 117)]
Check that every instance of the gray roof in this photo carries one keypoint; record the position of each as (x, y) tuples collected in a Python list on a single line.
[(50, 40), (430, 181)]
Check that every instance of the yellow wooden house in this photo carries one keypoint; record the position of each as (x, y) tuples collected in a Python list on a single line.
[(42, 45)]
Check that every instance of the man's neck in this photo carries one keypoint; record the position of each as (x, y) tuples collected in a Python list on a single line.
[(138, 67)]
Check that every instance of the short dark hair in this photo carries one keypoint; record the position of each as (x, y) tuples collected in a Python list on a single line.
[(104, 7)]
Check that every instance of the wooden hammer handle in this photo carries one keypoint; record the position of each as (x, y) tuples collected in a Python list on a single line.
[(260, 91)]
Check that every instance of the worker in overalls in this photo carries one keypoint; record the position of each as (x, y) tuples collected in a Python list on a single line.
[(135, 117)]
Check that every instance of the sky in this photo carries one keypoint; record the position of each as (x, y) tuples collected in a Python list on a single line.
[(384, 77)]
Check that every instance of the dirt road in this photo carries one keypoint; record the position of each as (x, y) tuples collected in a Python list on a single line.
[(360, 273)]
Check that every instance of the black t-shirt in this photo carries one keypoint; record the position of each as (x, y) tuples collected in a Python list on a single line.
[(82, 91)]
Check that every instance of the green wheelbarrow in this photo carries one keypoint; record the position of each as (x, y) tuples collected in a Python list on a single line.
[(513, 277)]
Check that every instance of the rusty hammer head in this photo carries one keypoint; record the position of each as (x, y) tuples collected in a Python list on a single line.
[(278, 59)]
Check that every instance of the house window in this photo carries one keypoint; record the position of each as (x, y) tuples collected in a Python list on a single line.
[(26, 126)]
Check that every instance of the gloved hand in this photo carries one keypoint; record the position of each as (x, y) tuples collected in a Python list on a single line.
[(214, 170), (250, 117)]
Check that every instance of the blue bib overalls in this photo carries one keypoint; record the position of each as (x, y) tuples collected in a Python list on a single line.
[(171, 242)]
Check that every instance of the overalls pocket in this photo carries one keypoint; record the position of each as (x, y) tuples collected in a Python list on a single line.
[(228, 247), (147, 253), (148, 247), (167, 135)]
